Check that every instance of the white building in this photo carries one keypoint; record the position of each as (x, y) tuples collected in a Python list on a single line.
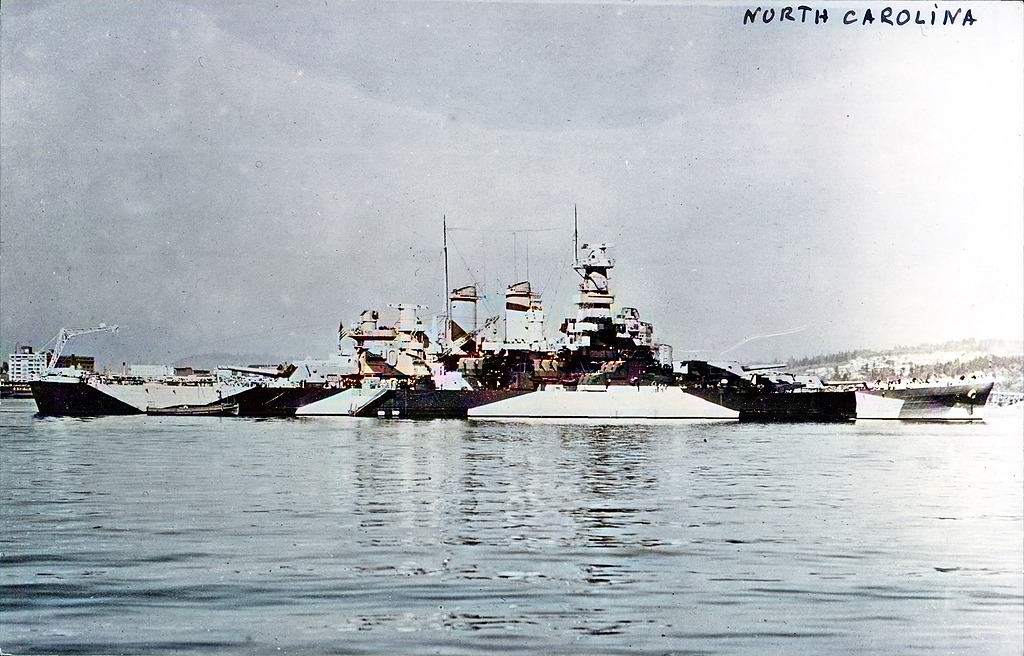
[(25, 365)]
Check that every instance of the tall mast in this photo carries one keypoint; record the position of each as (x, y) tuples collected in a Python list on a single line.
[(447, 295), (575, 237)]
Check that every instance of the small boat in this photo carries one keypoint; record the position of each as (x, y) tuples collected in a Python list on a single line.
[(213, 410)]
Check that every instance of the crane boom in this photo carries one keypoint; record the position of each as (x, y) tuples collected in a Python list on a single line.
[(458, 343), (65, 335)]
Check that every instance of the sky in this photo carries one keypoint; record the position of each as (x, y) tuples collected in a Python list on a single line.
[(240, 178)]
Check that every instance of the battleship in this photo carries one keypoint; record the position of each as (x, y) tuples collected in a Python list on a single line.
[(604, 365)]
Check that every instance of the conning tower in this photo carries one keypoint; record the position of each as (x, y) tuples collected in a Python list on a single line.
[(594, 302)]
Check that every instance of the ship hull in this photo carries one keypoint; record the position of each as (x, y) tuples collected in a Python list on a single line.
[(436, 404), (601, 402), (670, 402), (357, 401), (813, 406), (77, 399), (959, 402), (278, 401)]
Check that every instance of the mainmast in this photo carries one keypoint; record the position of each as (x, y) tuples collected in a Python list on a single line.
[(575, 237), (448, 302)]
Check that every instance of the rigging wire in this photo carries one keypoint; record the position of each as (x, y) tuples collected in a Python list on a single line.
[(513, 230), (488, 307), (486, 299)]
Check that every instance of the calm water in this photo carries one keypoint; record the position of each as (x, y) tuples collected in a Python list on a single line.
[(166, 534)]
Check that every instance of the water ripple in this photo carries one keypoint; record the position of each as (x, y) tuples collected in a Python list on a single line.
[(470, 538)]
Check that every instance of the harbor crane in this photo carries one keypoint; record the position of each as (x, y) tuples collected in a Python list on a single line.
[(66, 334)]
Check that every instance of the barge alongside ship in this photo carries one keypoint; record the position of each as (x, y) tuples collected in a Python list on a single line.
[(605, 365)]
